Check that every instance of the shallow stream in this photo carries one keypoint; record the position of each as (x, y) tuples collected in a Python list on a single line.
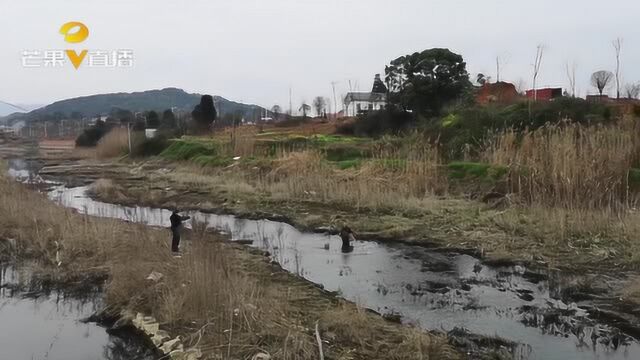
[(433, 289)]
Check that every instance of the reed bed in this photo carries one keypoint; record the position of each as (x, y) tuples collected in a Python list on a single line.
[(569, 165), (114, 143)]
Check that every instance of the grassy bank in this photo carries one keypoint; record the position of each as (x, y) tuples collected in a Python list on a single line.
[(562, 195), (231, 302)]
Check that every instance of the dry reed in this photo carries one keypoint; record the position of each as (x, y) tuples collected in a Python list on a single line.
[(570, 166), (114, 143)]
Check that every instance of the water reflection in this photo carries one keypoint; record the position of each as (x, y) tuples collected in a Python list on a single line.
[(46, 325)]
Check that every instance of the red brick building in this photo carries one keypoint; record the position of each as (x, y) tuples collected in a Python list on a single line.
[(546, 94), (500, 93)]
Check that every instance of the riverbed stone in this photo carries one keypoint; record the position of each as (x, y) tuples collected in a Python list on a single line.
[(174, 344), (160, 337), (126, 318), (155, 276)]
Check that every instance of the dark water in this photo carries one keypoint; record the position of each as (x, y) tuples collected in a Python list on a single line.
[(434, 290), (48, 326)]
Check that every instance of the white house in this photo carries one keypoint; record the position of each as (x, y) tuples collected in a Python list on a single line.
[(359, 102)]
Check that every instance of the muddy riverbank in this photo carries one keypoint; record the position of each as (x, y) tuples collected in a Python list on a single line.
[(278, 311), (549, 314)]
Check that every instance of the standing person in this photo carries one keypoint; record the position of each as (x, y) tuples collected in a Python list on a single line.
[(347, 236), (176, 223)]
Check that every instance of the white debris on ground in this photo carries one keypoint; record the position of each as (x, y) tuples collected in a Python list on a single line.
[(155, 276), (173, 348)]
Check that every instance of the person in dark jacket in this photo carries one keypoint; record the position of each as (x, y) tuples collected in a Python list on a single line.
[(176, 222), (347, 236)]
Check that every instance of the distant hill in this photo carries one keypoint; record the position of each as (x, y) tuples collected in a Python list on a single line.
[(6, 109), (157, 100)]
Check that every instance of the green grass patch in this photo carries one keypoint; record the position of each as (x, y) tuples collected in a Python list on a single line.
[(212, 160), (634, 176), (201, 153), (187, 150), (335, 139), (348, 164), (343, 153), (464, 170)]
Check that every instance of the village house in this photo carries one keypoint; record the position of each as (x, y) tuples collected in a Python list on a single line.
[(545, 94), (360, 102)]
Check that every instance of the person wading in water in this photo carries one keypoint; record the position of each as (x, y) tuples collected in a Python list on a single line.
[(347, 236), (176, 223)]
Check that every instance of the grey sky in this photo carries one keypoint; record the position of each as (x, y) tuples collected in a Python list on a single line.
[(254, 50)]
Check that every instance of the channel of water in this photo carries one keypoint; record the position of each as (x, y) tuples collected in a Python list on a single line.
[(432, 289)]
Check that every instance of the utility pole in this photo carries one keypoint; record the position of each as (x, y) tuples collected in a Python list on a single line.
[(335, 101), (290, 103), (129, 136), (497, 69)]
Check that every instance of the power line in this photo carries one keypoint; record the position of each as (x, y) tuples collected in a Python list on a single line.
[(15, 106)]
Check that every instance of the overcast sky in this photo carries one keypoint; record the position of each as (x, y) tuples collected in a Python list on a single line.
[(255, 50)]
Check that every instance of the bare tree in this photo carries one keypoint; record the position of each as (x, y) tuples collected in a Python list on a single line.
[(536, 69), (483, 79), (632, 91), (276, 110), (305, 109), (319, 104), (617, 45), (521, 86), (571, 75), (601, 79)]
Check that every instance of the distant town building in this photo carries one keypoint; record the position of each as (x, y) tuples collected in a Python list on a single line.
[(360, 102), (500, 93), (598, 98), (546, 94)]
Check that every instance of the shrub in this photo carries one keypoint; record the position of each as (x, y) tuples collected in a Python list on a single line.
[(292, 122), (91, 135), (377, 123), (150, 146), (466, 129)]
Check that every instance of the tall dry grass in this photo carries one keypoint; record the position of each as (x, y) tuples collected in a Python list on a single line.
[(409, 175), (569, 165), (205, 287), (114, 143)]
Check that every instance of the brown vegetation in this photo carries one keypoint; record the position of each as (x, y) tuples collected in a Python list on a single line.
[(114, 143), (570, 166)]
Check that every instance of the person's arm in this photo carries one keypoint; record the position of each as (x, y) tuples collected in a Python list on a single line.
[(186, 217)]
